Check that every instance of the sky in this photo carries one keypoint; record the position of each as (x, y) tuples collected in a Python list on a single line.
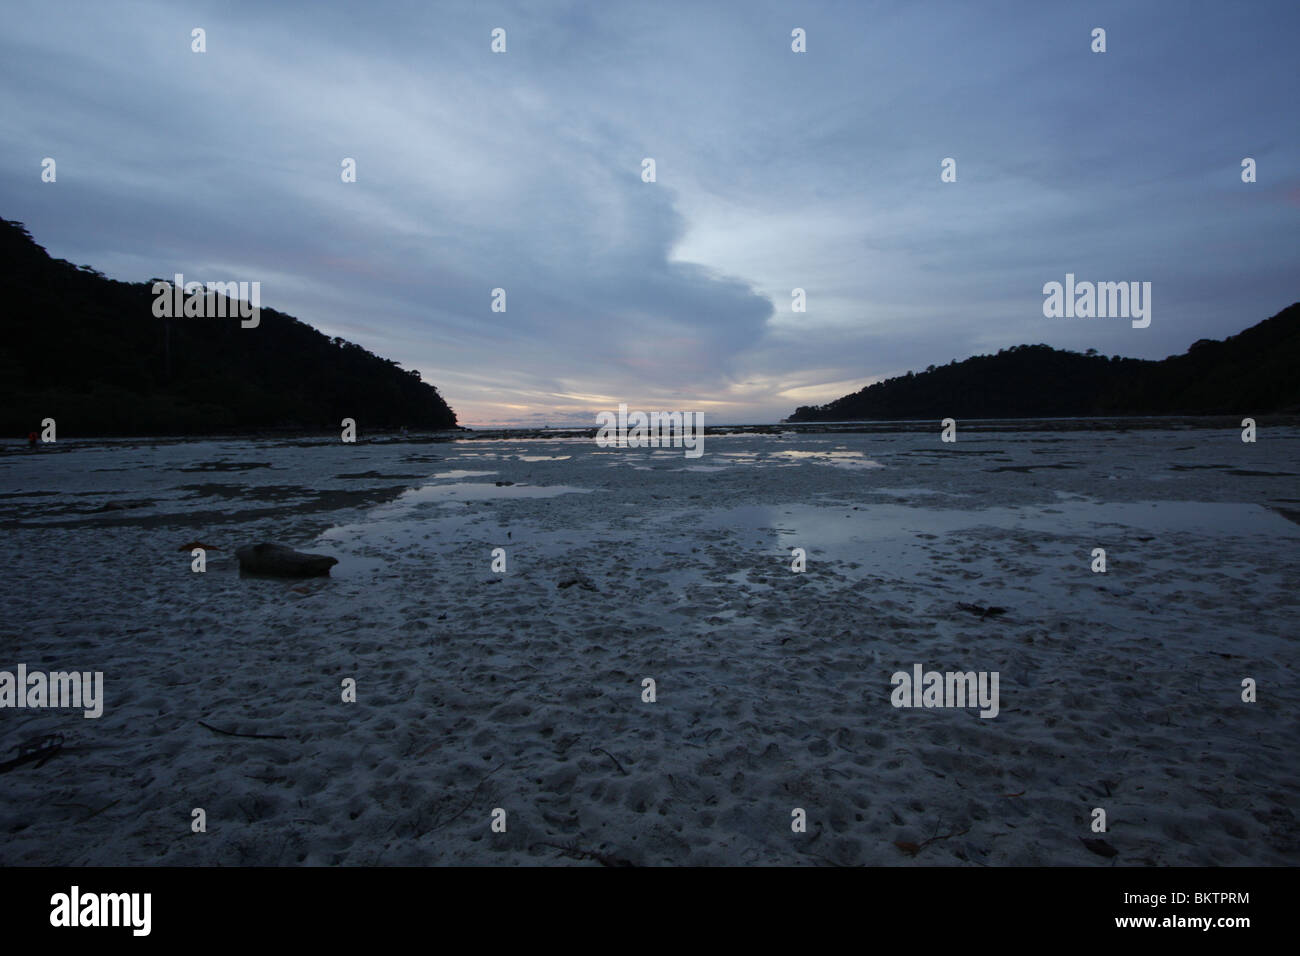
[(775, 170)]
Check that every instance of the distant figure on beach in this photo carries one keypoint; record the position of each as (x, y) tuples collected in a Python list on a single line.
[(31, 440), (403, 431)]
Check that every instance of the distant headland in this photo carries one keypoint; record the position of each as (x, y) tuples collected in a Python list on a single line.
[(1251, 373), (94, 354)]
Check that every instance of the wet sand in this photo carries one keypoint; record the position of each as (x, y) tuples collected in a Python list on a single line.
[(479, 690)]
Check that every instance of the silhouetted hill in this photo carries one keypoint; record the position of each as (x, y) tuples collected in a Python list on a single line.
[(88, 352), (1251, 373)]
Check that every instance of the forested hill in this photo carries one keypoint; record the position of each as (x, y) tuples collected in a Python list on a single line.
[(1254, 372), (88, 352)]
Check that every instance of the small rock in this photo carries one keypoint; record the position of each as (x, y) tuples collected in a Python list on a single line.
[(1100, 847), (280, 561)]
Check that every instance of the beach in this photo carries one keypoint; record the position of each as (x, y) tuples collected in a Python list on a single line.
[(523, 689)]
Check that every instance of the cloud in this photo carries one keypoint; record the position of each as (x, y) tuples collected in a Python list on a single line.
[(775, 171)]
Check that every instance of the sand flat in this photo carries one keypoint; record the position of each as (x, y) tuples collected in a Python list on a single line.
[(479, 690)]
